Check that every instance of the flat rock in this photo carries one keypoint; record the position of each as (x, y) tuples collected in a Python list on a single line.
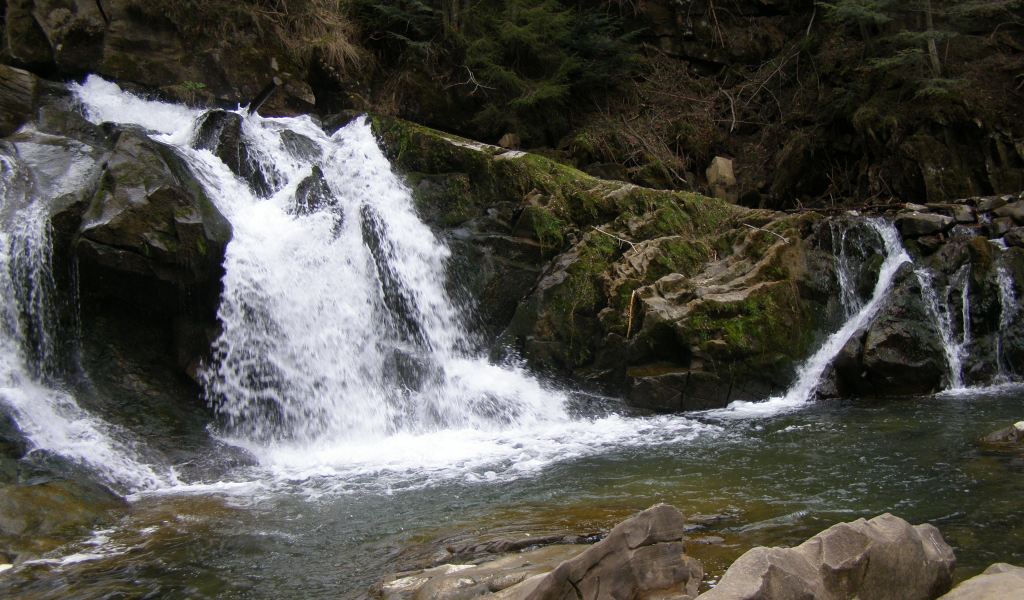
[(1014, 210), (463, 581), (990, 203), (917, 224), (880, 559), (999, 582)]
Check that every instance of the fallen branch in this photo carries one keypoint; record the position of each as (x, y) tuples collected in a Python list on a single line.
[(631, 244), (766, 231), (732, 107)]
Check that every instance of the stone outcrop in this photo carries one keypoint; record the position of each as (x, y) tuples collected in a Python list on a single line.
[(879, 559), (642, 558), (117, 40), (999, 582)]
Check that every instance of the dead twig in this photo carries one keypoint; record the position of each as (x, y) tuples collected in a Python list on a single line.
[(732, 107), (631, 244), (766, 231)]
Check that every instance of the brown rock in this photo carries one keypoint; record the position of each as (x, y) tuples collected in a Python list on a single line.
[(1012, 435), (880, 559), (640, 557), (19, 98), (999, 582)]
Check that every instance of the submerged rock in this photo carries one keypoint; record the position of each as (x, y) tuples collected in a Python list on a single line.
[(999, 582), (1012, 436), (455, 582), (880, 559), (35, 509)]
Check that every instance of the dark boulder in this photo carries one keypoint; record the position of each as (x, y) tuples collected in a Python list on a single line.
[(900, 353), (19, 98), (916, 224), (695, 389), (220, 132), (12, 442), (313, 194)]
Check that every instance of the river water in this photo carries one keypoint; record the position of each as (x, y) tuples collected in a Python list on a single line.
[(361, 470)]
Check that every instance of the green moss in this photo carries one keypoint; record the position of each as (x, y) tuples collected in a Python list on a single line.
[(679, 256), (771, 320)]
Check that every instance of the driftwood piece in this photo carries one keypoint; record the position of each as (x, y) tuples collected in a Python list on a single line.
[(258, 101)]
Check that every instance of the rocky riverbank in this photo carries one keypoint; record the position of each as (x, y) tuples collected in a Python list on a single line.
[(645, 557)]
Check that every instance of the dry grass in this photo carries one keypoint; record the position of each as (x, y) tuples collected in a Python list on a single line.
[(304, 29)]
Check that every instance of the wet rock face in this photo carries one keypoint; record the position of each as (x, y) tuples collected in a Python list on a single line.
[(221, 133), (43, 508), (900, 353), (144, 237), (879, 559)]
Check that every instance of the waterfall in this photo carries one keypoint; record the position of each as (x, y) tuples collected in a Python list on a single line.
[(336, 322), (30, 386), (335, 319), (1007, 315), (941, 312), (810, 372)]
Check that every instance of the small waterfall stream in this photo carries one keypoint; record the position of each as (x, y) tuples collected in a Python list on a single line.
[(30, 383), (810, 372), (943, 313), (1007, 315)]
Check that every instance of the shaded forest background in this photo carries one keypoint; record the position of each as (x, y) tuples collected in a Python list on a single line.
[(818, 104)]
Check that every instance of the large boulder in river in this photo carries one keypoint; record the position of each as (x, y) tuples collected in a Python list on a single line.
[(641, 557), (880, 559), (999, 582), (900, 353)]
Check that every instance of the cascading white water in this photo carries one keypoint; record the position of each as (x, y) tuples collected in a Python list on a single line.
[(941, 312), (47, 415), (1007, 315), (844, 271), (810, 372), (341, 353)]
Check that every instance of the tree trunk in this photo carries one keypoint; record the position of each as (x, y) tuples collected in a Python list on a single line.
[(933, 50)]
